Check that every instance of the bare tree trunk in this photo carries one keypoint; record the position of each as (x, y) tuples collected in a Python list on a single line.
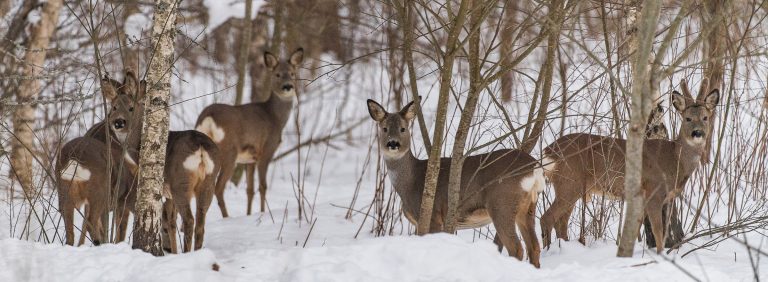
[(509, 20), (641, 105), (433, 164), (457, 155), (24, 115), (155, 130), (405, 17), (715, 58), (555, 22), (242, 61)]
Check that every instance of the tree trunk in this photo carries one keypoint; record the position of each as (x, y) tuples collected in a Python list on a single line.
[(556, 12), (24, 115), (509, 21), (457, 155), (242, 61), (641, 105), (155, 130), (433, 164)]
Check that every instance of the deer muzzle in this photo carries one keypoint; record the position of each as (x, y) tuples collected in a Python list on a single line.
[(697, 134), (393, 145), (119, 123)]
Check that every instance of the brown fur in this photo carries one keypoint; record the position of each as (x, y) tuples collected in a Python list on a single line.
[(252, 130), (584, 164), (490, 188)]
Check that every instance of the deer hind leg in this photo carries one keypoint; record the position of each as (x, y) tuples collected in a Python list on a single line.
[(503, 215), (81, 241), (68, 214), (203, 198), (263, 166), (95, 227), (122, 224), (187, 222), (227, 169), (169, 227), (526, 221), (250, 170)]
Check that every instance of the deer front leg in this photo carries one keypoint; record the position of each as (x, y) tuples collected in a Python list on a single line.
[(263, 166), (653, 210), (250, 170), (169, 227)]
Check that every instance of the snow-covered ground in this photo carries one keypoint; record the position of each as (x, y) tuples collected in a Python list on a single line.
[(256, 248)]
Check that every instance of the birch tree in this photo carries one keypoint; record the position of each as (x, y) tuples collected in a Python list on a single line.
[(24, 115), (155, 130), (641, 105)]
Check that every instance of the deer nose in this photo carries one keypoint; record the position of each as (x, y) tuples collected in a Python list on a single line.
[(697, 133), (287, 87), (393, 145), (119, 123)]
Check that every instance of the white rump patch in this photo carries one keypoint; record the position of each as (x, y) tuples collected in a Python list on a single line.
[(209, 127), (74, 171), (549, 164), (534, 182), (199, 161)]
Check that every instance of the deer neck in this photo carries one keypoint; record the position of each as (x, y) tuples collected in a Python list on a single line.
[(278, 109), (404, 173), (688, 155)]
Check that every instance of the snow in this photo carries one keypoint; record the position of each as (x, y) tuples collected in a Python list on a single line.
[(135, 24)]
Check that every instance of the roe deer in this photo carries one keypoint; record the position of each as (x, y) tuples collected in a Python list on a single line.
[(251, 133), (499, 187), (191, 161), (81, 176), (579, 165)]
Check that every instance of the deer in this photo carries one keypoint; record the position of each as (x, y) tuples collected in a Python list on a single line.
[(251, 133), (580, 165), (81, 177), (191, 163), (499, 187)]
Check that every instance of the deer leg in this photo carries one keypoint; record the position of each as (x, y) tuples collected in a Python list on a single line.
[(94, 223), (497, 241), (561, 224), (655, 216), (263, 166), (250, 169), (503, 215), (559, 211), (526, 221), (187, 223), (68, 214), (203, 199), (169, 227), (122, 225), (81, 241), (227, 169)]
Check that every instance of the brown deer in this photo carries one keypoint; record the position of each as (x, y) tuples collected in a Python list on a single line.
[(191, 162), (499, 187), (81, 177), (251, 133), (580, 165)]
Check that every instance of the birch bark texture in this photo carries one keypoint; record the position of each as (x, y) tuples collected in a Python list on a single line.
[(640, 108), (23, 144), (154, 137)]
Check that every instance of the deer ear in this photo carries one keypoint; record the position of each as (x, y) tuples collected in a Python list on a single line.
[(678, 101), (270, 60), (377, 112), (108, 88), (712, 98), (408, 112), (130, 83), (297, 57)]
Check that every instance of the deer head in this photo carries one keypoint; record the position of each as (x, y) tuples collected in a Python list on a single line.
[(394, 135), (125, 99), (695, 113), (284, 80)]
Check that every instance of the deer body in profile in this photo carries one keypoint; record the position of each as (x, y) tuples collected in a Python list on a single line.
[(191, 162), (251, 133), (500, 187), (580, 165)]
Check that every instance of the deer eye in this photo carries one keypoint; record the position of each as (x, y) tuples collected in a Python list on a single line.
[(278, 75), (688, 119), (130, 109), (114, 108), (293, 74), (385, 129), (704, 118), (402, 129)]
